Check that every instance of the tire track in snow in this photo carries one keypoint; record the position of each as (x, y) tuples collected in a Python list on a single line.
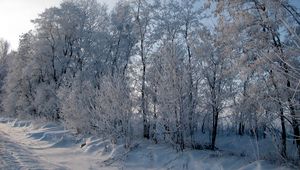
[(14, 156)]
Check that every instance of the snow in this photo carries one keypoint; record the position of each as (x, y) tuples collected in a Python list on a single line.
[(30, 145)]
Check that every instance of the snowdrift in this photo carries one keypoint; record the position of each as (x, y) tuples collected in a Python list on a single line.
[(140, 155)]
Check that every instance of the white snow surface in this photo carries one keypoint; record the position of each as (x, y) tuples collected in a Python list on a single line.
[(27, 145)]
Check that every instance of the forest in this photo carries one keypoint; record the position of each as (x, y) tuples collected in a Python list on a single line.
[(181, 72)]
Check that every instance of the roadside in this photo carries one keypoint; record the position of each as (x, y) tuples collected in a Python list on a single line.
[(26, 145), (15, 156)]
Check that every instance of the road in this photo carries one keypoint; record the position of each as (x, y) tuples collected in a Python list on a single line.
[(20, 152), (15, 156)]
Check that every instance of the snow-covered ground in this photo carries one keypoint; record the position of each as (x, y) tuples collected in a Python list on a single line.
[(26, 145)]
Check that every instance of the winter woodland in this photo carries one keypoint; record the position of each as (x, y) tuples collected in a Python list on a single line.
[(170, 71)]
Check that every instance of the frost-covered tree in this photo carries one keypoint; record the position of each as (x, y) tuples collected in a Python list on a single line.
[(158, 69), (4, 47), (172, 83), (142, 14), (216, 80), (261, 28), (18, 85), (99, 93)]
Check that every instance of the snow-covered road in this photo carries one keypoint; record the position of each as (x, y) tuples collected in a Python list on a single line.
[(19, 151), (14, 156), (24, 145)]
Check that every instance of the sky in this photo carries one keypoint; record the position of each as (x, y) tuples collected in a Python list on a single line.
[(15, 16)]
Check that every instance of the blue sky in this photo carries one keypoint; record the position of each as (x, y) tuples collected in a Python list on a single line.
[(15, 16)]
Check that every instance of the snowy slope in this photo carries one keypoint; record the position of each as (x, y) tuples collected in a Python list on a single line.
[(34, 146)]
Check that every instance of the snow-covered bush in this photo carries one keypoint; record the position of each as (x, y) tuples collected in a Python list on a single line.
[(46, 102)]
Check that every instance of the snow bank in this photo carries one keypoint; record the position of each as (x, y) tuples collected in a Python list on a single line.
[(6, 120), (260, 165), (35, 135), (21, 123), (51, 125), (97, 146), (53, 136), (64, 142), (64, 147)]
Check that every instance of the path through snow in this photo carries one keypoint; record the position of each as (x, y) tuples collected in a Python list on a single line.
[(20, 150), (24, 145), (15, 156)]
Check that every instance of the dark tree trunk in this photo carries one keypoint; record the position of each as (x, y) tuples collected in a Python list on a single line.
[(203, 124), (241, 129), (290, 104), (142, 32), (190, 97), (144, 111), (154, 137), (215, 127), (283, 129), (283, 133), (295, 126)]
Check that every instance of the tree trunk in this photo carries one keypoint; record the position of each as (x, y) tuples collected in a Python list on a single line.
[(215, 110), (241, 128), (292, 112), (215, 127), (283, 134), (283, 130), (146, 131), (295, 125), (154, 137), (277, 42), (190, 97), (144, 111), (203, 124)]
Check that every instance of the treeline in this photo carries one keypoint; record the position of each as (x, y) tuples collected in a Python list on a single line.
[(168, 70)]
